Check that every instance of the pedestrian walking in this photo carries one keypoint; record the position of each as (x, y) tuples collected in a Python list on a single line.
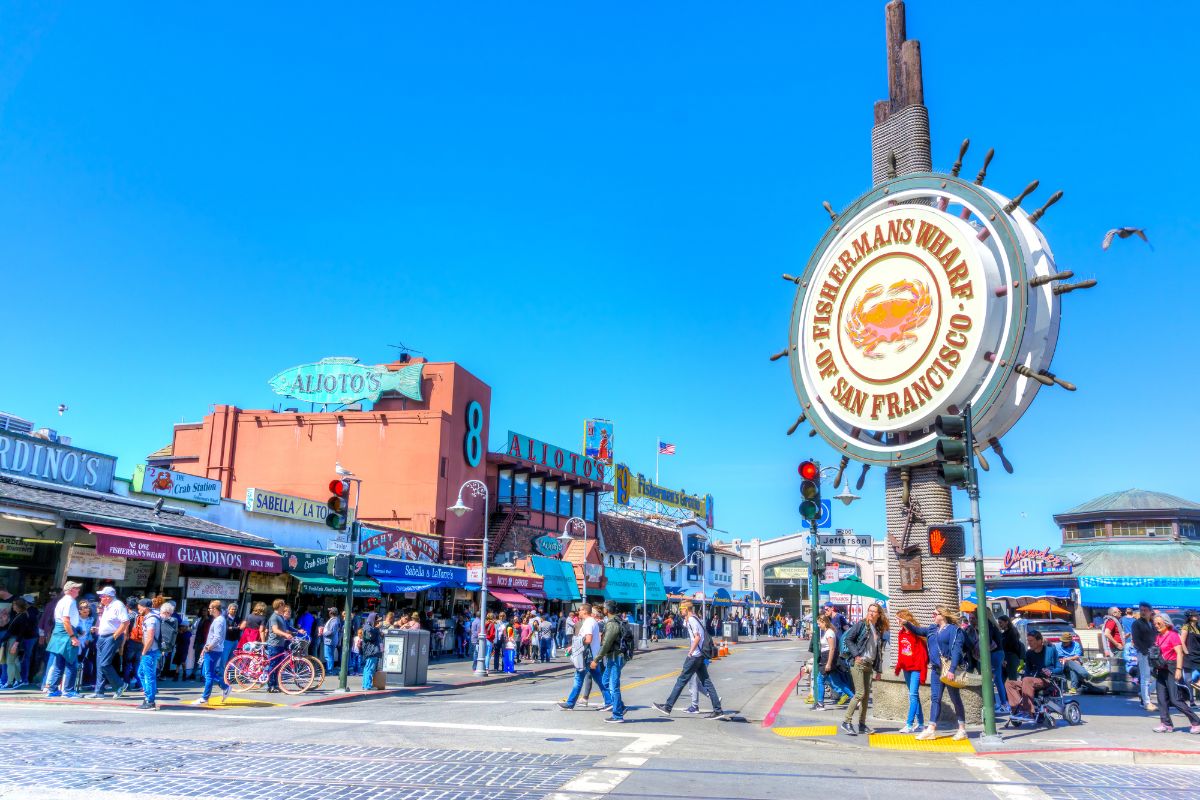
[(944, 640), (912, 659), (372, 648), (499, 641), (279, 634), (864, 644), (585, 650), (232, 634), (828, 671), (148, 659), (545, 634), (1166, 660), (1142, 634), (331, 638), (86, 632), (18, 647), (63, 646), (111, 628), (1190, 637), (168, 638), (1014, 649), (700, 648), (613, 658), (212, 653)]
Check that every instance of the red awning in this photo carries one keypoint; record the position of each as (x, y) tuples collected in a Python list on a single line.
[(515, 599), (180, 550)]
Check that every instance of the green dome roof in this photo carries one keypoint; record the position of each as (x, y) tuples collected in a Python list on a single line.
[(1134, 500)]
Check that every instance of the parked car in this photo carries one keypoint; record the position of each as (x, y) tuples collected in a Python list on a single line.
[(1051, 629)]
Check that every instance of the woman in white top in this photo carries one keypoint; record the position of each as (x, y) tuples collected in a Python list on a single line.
[(828, 668)]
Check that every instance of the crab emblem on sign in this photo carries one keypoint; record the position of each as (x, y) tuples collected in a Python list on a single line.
[(893, 320)]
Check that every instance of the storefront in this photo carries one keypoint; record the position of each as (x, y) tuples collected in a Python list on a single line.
[(559, 581), (628, 587), (314, 585), (514, 589)]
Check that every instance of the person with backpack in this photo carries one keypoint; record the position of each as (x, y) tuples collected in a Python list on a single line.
[(585, 649), (168, 634), (863, 646), (700, 649), (612, 655), (372, 649), (147, 668), (944, 641)]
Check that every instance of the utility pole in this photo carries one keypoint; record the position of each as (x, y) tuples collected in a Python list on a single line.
[(985, 660)]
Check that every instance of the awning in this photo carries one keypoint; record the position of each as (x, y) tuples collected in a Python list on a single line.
[(1126, 591), (1018, 590), (558, 578), (422, 573), (508, 596), (624, 585), (721, 599), (324, 584), (400, 587), (124, 543), (655, 593)]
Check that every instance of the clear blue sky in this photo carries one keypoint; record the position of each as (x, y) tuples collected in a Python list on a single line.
[(588, 208)]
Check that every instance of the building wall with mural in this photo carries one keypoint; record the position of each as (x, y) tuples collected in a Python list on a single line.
[(411, 455)]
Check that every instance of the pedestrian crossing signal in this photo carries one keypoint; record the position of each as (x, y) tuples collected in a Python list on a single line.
[(947, 541)]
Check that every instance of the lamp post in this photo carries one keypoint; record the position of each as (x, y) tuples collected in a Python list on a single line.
[(645, 643), (566, 537), (478, 488)]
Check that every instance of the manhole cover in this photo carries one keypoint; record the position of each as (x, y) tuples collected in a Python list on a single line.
[(559, 739), (93, 722)]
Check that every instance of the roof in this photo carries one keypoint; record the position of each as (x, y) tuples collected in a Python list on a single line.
[(1134, 500), (723, 549), (100, 508), (163, 452), (1165, 559), (622, 534)]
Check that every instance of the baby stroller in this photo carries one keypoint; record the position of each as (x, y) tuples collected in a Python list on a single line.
[(1050, 702)]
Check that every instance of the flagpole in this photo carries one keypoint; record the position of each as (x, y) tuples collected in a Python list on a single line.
[(657, 453)]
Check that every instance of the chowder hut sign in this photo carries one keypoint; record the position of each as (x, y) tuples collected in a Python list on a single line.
[(1034, 562)]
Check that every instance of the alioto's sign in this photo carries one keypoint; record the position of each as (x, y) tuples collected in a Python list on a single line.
[(340, 380), (550, 456)]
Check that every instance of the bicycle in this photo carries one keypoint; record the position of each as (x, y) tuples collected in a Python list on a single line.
[(251, 669), (299, 647)]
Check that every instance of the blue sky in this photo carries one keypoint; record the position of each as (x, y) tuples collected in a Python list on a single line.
[(587, 207)]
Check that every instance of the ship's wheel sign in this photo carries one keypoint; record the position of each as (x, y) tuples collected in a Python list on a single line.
[(926, 293)]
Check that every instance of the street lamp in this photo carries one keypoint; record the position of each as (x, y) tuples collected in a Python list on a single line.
[(478, 488), (645, 643), (566, 537), (700, 566)]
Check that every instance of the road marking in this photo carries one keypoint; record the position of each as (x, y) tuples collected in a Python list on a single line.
[(626, 761), (636, 684), (900, 741), (805, 730), (1003, 782), (591, 784), (333, 720), (656, 738)]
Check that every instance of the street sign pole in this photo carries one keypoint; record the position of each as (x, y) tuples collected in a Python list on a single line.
[(981, 620), (813, 599), (348, 614)]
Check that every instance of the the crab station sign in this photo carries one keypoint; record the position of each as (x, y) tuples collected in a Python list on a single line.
[(925, 294), (895, 316)]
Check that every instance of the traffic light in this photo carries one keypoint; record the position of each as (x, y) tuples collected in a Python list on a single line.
[(818, 562), (339, 504), (339, 567), (810, 490), (947, 541), (954, 465)]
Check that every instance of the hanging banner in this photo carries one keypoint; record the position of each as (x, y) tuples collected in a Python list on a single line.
[(176, 485), (598, 440), (403, 545), (627, 486)]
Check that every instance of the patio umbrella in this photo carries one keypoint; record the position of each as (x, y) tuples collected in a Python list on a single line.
[(853, 585), (1044, 607), (967, 606)]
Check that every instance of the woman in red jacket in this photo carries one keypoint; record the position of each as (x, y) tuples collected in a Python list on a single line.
[(912, 659)]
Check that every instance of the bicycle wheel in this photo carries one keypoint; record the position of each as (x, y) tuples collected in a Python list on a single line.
[(244, 672), (295, 676), (318, 671)]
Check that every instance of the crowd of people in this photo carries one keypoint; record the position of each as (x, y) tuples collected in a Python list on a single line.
[(1158, 657)]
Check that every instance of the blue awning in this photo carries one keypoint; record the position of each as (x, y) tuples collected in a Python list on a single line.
[(1126, 591), (1015, 591), (415, 572), (624, 585), (655, 592), (747, 597), (558, 578), (400, 587), (721, 599)]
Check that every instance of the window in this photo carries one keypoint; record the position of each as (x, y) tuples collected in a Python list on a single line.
[(521, 488), (1085, 531), (589, 507), (611, 562), (442, 468), (552, 497), (536, 487), (724, 563), (505, 485), (1141, 528), (1188, 530), (577, 502), (879, 582), (564, 502), (673, 574), (712, 562)]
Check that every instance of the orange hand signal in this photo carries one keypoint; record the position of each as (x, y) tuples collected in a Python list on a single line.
[(937, 540)]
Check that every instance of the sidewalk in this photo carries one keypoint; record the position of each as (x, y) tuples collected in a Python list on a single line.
[(443, 675)]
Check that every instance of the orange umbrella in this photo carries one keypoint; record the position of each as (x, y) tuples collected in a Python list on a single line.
[(1044, 607), (967, 606)]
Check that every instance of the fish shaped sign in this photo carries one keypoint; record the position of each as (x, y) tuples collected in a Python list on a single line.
[(340, 380)]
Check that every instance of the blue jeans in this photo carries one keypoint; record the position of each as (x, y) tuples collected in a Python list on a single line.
[(148, 674), (998, 678), (227, 653), (611, 681), (27, 646), (936, 688), (106, 652), (59, 667), (580, 676), (1145, 678), (330, 655), (212, 673), (273, 662), (836, 679), (545, 648), (370, 664), (913, 678)]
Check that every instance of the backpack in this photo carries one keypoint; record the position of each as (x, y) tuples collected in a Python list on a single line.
[(627, 643), (970, 649), (844, 646), (135, 631), (708, 648), (168, 632), (1154, 655)]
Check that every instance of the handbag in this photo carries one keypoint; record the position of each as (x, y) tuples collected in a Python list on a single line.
[(955, 684)]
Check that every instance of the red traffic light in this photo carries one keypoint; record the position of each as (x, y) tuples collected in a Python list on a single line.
[(808, 470), (338, 487)]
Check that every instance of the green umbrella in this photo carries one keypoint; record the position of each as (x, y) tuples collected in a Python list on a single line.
[(853, 585)]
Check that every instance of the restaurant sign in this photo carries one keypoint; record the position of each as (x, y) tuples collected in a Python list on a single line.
[(1034, 562), (404, 545), (83, 562), (340, 380), (211, 589), (517, 582), (547, 545), (176, 485), (275, 504), (12, 546), (416, 571), (43, 460), (179, 551), (305, 562), (555, 457)]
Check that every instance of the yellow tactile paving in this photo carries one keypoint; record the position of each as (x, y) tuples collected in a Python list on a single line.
[(806, 730), (899, 741), (231, 702)]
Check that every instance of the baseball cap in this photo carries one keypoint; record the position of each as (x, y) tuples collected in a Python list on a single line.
[(29, 598), (69, 585), (107, 591), (146, 602)]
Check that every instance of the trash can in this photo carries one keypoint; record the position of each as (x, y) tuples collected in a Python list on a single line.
[(731, 630), (416, 667), (395, 657)]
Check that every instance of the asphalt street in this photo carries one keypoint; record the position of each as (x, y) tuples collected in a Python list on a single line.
[(499, 742)]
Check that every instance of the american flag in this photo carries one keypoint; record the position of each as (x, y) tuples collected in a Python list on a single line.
[(666, 449)]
